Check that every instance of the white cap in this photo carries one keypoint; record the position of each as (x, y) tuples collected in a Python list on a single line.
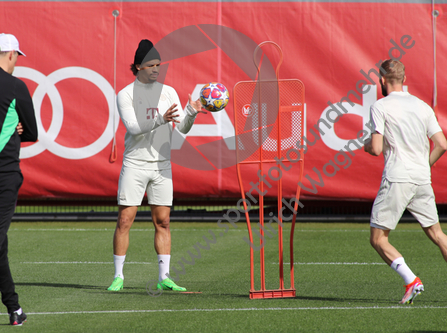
[(9, 43)]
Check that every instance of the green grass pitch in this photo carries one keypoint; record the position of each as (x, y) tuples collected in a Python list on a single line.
[(62, 271)]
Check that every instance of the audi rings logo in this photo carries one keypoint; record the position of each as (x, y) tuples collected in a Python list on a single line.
[(46, 86)]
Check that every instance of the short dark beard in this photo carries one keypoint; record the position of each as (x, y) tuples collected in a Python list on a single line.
[(384, 91)]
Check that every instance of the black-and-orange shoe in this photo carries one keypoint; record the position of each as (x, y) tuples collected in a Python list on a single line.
[(16, 319)]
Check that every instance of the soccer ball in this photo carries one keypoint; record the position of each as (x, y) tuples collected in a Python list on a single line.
[(214, 96)]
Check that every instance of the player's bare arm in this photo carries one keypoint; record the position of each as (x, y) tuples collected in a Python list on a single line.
[(440, 147), (170, 114), (374, 145)]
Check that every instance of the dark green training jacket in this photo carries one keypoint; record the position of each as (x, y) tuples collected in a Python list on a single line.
[(15, 106)]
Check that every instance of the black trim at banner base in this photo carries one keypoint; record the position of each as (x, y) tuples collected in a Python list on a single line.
[(199, 210)]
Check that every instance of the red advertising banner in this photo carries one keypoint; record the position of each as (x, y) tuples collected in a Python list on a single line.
[(78, 56)]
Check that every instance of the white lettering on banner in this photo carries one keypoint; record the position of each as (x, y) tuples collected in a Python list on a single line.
[(223, 128), (330, 138), (268, 143), (261, 135), (46, 86), (286, 143), (47, 138)]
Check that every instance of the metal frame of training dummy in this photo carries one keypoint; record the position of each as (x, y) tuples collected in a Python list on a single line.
[(290, 98)]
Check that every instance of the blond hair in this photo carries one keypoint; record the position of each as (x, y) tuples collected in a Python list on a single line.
[(393, 71)]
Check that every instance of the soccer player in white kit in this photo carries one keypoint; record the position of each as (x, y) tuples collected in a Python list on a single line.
[(148, 110), (402, 124)]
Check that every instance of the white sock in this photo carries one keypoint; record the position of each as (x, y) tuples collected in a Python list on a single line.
[(403, 270), (119, 263), (163, 266)]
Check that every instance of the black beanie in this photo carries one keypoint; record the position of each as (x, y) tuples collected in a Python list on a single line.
[(145, 52)]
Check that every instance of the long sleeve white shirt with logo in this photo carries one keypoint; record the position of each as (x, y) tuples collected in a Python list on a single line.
[(148, 138)]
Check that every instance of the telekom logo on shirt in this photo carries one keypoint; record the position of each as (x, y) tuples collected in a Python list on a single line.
[(151, 113)]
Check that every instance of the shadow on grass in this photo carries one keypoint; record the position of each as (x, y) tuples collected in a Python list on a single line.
[(372, 301), (65, 285), (310, 298), (343, 300), (364, 301)]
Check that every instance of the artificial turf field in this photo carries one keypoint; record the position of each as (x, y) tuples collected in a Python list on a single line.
[(62, 271)]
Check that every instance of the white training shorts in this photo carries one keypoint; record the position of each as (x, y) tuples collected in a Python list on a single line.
[(133, 183), (393, 198)]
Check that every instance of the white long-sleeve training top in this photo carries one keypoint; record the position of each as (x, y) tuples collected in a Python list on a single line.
[(148, 138)]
